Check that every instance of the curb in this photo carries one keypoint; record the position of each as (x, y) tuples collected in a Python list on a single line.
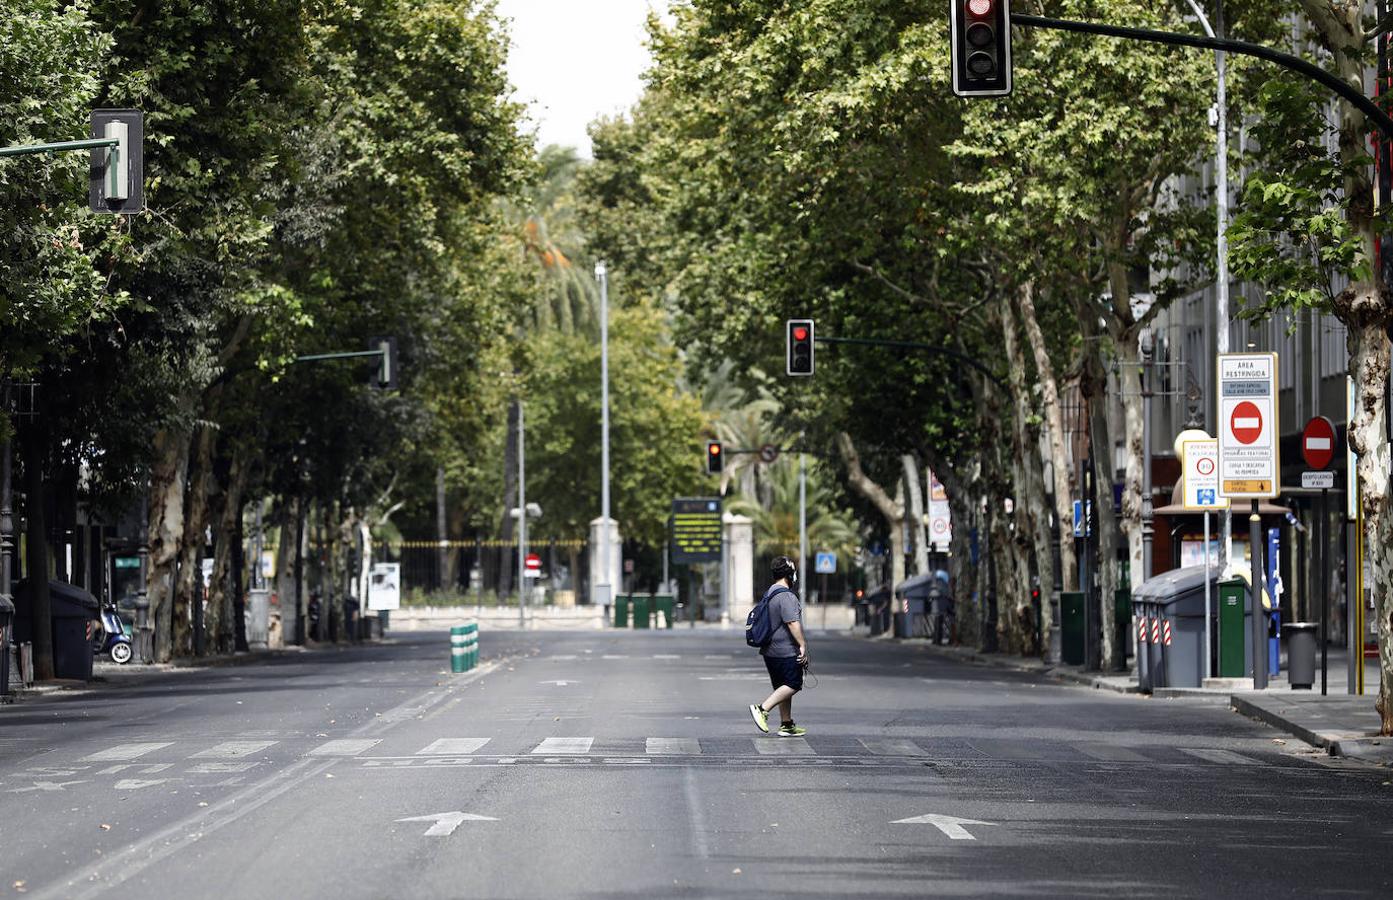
[(1377, 750), (1080, 678)]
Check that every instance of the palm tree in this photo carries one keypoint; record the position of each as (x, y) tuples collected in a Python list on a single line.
[(776, 523)]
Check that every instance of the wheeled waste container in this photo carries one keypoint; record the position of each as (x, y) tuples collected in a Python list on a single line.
[(1174, 605), (72, 611), (1071, 630), (642, 611)]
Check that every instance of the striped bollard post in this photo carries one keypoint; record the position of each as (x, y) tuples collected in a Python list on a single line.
[(472, 657), (459, 649)]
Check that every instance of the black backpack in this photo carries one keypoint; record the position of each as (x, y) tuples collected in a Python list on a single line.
[(759, 631)]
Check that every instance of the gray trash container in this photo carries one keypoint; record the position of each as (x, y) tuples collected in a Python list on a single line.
[(1301, 654), (1177, 597)]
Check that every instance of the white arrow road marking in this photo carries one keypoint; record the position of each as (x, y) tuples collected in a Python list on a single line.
[(446, 823), (135, 784), (559, 683), (952, 826), (44, 786)]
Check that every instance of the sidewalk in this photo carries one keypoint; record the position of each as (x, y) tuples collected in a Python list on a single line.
[(1340, 723)]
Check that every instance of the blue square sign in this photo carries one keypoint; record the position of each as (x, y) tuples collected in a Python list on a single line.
[(825, 563)]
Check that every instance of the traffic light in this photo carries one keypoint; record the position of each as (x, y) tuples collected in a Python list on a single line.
[(385, 376), (714, 458), (800, 346), (981, 42), (117, 183)]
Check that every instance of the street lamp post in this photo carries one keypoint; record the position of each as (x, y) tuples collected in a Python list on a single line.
[(1147, 345), (1221, 200), (803, 522), (522, 523), (603, 585)]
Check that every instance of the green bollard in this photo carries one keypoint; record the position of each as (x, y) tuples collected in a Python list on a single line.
[(459, 648), (473, 627)]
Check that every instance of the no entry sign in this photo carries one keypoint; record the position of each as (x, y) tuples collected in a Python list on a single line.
[(1248, 462), (1318, 442)]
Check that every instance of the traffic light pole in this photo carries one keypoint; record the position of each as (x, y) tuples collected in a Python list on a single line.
[(1345, 91)]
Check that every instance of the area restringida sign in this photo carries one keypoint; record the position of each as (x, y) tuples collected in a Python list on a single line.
[(1249, 467)]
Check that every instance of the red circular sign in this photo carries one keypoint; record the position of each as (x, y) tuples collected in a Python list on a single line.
[(534, 561), (1246, 422), (1205, 466), (1318, 442)]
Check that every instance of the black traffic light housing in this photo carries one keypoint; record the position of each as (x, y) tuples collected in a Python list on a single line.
[(117, 180), (799, 341), (981, 45), (715, 458)]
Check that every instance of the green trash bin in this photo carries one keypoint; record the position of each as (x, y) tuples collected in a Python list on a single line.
[(1071, 631), (621, 612), (1122, 611), (1235, 632), (641, 612)]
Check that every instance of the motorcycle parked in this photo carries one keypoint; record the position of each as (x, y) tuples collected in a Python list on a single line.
[(113, 637)]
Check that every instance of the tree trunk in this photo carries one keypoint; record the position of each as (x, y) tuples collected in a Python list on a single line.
[(1061, 460), (1106, 529), (1369, 365), (892, 510), (168, 474), (914, 487), (510, 500), (190, 571), (36, 556), (225, 542), (1032, 519)]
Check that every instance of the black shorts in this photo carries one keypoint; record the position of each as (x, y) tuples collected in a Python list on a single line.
[(784, 671)]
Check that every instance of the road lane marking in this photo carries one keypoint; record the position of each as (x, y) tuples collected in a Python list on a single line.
[(452, 746), (559, 745), (673, 746), (666, 656), (560, 682), (1109, 753), (126, 752), (233, 749), (446, 823), (135, 784), (1224, 757), (223, 767), (344, 747), (891, 747), (782, 746), (615, 656), (951, 826)]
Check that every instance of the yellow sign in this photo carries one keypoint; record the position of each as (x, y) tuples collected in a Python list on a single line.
[(1232, 487)]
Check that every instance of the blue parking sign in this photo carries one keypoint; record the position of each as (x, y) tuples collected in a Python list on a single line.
[(825, 563), (1207, 497)]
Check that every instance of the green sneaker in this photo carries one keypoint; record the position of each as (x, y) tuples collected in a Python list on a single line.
[(788, 729), (760, 716)]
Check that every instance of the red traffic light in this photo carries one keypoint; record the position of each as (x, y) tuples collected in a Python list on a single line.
[(800, 333), (713, 449)]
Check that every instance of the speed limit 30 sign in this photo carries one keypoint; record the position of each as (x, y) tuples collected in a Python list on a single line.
[(1249, 467)]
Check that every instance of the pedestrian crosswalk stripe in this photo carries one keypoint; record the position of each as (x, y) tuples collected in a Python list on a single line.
[(344, 747), (673, 746), (666, 656), (1226, 757), (614, 656), (221, 767), (783, 746), (122, 752), (452, 746), (1109, 753), (890, 747), (233, 749), (560, 745)]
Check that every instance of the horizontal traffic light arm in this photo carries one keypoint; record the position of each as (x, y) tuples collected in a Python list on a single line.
[(1356, 97), (912, 345), (353, 355), (84, 144)]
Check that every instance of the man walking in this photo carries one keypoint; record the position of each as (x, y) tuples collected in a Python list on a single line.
[(786, 654)]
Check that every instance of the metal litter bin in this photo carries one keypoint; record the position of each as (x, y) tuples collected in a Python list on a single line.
[(1301, 654)]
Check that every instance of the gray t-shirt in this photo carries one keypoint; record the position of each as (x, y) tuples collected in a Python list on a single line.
[(784, 607)]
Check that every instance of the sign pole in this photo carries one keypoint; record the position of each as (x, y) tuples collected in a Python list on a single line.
[(1324, 537), (1255, 591), (522, 523), (1208, 644)]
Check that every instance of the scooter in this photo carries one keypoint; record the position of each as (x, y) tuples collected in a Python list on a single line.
[(113, 638)]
